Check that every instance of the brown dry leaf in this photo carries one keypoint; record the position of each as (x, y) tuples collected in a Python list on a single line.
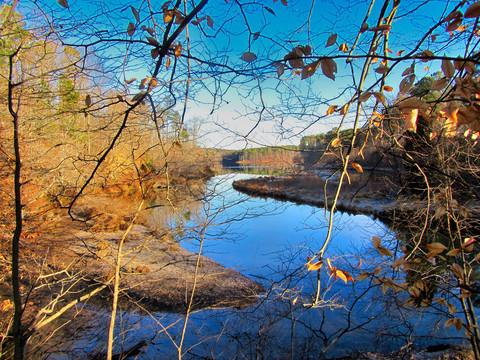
[(357, 167), (439, 84), (441, 301), (269, 10), (143, 83), (365, 96), (384, 251), (153, 41), (256, 35), (248, 56), (209, 22), (329, 68), (407, 83), (449, 322), (167, 64), (331, 109), (135, 13), (296, 63), (332, 39), (179, 18), (454, 24), (362, 277), (436, 247), (470, 67), (383, 27), (344, 109), (178, 50), (376, 242), (309, 70), (284, 2), (448, 68), (63, 3), (129, 81), (458, 324), (305, 50), (387, 88), (380, 97), (453, 15), (398, 262), (457, 271), (343, 47), (131, 29), (425, 55), (473, 11), (399, 53), (382, 69), (88, 100), (150, 31), (454, 252), (409, 70), (280, 70), (154, 52)]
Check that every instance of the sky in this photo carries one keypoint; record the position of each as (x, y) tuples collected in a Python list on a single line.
[(252, 100)]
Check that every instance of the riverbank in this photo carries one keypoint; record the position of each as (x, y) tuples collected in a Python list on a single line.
[(312, 190)]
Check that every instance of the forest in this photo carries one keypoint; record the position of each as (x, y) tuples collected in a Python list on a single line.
[(114, 116)]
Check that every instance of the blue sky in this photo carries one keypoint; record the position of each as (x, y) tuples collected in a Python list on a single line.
[(291, 107)]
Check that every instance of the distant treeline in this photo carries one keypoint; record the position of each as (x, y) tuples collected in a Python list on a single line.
[(265, 156), (321, 141), (311, 152)]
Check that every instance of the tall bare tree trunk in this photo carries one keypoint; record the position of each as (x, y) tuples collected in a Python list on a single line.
[(17, 300)]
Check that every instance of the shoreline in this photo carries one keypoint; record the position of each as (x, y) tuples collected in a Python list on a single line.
[(278, 188)]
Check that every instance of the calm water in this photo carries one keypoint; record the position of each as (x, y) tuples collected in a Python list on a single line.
[(269, 241)]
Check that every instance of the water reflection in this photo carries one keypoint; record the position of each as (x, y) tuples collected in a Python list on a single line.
[(270, 240)]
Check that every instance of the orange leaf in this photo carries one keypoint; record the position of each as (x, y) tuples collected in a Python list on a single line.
[(357, 167), (343, 47), (387, 88), (331, 109), (316, 266), (411, 120), (178, 50)]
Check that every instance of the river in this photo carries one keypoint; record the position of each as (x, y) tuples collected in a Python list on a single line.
[(269, 241)]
